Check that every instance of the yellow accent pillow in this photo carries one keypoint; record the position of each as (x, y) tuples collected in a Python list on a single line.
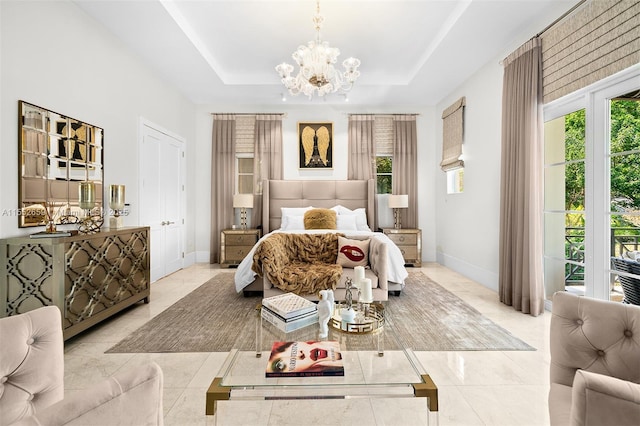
[(320, 219)]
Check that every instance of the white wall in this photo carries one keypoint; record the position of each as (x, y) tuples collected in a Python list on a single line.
[(59, 58), (468, 223), (339, 118)]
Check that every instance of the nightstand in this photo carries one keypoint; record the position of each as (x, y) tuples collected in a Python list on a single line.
[(409, 241), (235, 244)]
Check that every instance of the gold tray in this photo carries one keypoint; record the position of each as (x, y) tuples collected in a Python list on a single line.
[(372, 320)]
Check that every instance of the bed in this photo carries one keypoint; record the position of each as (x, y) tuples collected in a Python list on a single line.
[(351, 195)]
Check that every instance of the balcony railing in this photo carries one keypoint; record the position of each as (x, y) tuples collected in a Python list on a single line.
[(622, 240)]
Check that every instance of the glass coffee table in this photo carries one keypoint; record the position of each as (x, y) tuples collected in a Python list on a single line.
[(376, 364)]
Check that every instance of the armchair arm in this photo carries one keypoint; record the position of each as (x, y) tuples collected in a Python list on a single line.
[(132, 397), (378, 258), (603, 400)]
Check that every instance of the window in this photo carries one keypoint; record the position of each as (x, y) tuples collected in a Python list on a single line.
[(384, 178), (244, 174), (383, 140), (564, 201), (455, 181), (592, 181), (245, 141)]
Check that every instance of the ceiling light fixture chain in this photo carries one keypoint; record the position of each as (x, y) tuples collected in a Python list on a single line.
[(317, 74)]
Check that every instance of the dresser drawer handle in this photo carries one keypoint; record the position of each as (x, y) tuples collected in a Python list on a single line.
[(401, 239)]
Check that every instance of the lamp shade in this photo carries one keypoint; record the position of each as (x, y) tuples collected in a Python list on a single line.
[(243, 200), (398, 201)]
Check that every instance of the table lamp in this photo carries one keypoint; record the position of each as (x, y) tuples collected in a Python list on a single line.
[(116, 203), (243, 202), (398, 202)]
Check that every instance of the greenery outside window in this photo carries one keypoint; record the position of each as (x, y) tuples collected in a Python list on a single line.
[(592, 175), (384, 167)]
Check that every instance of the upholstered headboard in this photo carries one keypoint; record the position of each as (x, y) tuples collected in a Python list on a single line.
[(352, 194)]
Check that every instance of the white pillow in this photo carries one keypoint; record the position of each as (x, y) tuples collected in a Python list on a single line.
[(346, 222), (294, 211), (292, 223), (360, 215), (288, 212)]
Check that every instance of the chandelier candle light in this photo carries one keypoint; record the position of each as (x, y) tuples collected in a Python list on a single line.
[(317, 74)]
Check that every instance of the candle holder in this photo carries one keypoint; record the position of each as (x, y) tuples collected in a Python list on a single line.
[(93, 220), (116, 203)]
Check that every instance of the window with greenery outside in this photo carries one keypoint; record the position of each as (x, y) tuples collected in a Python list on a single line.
[(624, 176), (384, 166)]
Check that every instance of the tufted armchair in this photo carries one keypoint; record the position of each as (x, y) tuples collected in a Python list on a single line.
[(595, 362), (32, 381)]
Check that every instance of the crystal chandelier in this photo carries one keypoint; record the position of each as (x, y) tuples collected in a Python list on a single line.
[(317, 74)]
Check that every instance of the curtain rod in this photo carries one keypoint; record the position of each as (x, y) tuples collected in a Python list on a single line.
[(415, 114), (284, 114), (564, 15)]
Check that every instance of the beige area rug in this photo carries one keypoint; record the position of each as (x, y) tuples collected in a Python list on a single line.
[(214, 318)]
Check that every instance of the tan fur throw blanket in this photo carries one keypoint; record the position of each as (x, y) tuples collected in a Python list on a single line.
[(299, 263)]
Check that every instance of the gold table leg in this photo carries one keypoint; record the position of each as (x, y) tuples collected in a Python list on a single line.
[(427, 389), (216, 393)]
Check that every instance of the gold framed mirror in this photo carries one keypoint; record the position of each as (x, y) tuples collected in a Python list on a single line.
[(55, 154)]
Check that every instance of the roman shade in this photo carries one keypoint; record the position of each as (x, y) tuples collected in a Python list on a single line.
[(452, 134), (597, 40), (245, 133), (383, 134)]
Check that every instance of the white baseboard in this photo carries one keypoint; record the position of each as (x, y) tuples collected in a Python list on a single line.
[(203, 256), (481, 276)]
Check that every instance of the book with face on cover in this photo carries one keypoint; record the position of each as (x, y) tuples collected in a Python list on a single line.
[(305, 359)]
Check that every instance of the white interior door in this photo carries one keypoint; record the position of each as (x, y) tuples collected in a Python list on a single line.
[(161, 195)]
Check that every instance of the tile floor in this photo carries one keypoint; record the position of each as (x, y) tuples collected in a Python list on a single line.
[(475, 388)]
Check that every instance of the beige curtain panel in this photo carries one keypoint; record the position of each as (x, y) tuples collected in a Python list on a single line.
[(362, 149), (452, 135), (521, 187), (405, 166), (223, 165), (267, 158), (597, 40)]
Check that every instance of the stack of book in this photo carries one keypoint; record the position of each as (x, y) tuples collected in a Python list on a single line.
[(289, 311)]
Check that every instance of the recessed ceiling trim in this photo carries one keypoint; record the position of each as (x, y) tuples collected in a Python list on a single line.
[(175, 14), (445, 29)]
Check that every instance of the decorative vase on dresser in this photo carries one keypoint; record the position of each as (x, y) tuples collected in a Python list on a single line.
[(89, 277)]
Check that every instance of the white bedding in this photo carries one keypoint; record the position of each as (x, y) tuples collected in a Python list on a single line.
[(396, 271)]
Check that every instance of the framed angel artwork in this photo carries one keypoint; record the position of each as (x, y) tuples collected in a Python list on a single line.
[(315, 145)]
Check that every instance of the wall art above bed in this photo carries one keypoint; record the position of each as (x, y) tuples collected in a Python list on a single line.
[(315, 145)]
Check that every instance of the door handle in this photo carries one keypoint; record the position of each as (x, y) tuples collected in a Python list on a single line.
[(168, 222)]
